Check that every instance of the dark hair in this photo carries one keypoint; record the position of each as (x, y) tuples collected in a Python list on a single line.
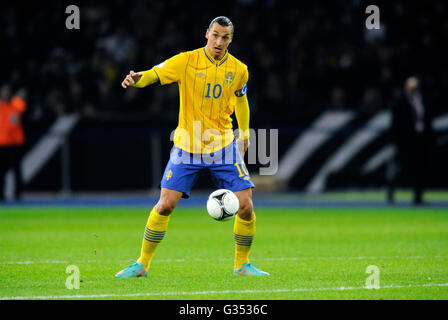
[(222, 21)]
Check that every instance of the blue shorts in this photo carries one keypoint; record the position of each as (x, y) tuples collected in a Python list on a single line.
[(226, 168)]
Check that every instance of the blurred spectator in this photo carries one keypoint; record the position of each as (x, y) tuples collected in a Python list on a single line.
[(371, 103), (412, 135), (337, 101), (12, 137)]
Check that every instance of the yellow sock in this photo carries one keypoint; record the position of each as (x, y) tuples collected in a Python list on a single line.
[(155, 230), (243, 232)]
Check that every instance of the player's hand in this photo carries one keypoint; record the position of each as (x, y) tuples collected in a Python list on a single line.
[(131, 79), (243, 145)]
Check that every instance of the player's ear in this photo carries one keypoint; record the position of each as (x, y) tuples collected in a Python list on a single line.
[(206, 34)]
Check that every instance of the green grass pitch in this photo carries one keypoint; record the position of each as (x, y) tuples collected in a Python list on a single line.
[(311, 253)]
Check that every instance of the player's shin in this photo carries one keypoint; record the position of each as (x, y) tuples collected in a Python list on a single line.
[(154, 232), (243, 232)]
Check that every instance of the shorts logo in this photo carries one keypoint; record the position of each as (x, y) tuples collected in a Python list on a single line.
[(169, 175), (229, 78)]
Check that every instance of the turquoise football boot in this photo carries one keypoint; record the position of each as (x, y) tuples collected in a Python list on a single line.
[(249, 269), (134, 270)]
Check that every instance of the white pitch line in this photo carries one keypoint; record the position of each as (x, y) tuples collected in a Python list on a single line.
[(183, 293), (227, 259)]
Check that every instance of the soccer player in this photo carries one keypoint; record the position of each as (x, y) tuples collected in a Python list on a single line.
[(212, 85)]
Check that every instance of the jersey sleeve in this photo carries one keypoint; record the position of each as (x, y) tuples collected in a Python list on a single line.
[(171, 69), (242, 87), (149, 77)]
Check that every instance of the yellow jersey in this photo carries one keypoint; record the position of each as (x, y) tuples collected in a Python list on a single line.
[(207, 93)]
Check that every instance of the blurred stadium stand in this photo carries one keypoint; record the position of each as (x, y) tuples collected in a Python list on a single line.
[(316, 74)]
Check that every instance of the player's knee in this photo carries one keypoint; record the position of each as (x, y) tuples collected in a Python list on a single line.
[(246, 209), (165, 207)]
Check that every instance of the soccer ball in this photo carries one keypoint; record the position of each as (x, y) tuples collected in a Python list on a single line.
[(222, 204)]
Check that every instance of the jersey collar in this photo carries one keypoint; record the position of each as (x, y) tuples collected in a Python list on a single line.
[(219, 62)]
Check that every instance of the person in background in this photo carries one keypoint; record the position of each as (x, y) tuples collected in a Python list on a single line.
[(12, 137), (411, 134)]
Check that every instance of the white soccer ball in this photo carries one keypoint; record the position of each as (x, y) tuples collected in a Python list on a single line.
[(222, 204)]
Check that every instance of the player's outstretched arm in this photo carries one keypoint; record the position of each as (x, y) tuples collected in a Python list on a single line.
[(242, 113), (140, 79), (131, 79)]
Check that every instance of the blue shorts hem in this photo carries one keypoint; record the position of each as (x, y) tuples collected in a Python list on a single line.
[(185, 194), (242, 188)]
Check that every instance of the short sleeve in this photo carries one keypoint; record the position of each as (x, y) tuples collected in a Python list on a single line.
[(171, 69), (242, 87)]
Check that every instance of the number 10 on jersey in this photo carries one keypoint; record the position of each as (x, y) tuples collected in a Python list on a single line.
[(217, 90)]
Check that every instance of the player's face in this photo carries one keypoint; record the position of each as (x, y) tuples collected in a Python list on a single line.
[(218, 39)]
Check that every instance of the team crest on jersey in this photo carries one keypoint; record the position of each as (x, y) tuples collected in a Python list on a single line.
[(229, 77)]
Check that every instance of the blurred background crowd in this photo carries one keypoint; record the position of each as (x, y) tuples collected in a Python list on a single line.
[(302, 57)]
